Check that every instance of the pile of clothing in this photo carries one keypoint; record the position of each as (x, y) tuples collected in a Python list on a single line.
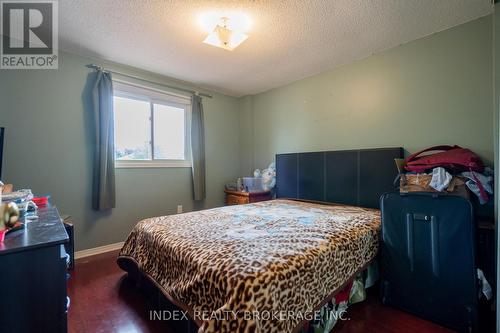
[(453, 170)]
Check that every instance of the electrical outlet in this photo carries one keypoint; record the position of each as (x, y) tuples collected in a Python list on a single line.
[(179, 209)]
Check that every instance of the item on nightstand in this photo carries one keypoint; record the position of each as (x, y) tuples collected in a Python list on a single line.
[(252, 184), (239, 184), (269, 177), (231, 187)]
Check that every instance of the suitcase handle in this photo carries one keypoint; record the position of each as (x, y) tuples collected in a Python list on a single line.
[(421, 217)]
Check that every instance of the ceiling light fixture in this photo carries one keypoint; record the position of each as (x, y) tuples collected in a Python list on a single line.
[(224, 37)]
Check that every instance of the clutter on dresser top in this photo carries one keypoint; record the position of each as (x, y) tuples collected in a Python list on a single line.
[(17, 204)]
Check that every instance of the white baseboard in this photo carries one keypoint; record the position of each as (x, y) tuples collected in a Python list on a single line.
[(98, 250)]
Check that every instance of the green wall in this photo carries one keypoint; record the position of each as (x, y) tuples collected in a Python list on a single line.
[(48, 148), (435, 90)]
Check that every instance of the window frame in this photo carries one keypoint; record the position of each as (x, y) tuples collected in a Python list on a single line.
[(155, 96)]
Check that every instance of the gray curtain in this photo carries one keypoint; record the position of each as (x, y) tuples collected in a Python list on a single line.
[(198, 149), (103, 196)]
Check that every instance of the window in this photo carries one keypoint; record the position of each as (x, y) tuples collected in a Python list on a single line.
[(151, 128)]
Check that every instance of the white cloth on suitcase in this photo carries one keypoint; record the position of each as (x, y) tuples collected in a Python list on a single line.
[(440, 179)]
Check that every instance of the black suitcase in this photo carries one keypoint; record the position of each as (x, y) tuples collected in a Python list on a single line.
[(428, 258)]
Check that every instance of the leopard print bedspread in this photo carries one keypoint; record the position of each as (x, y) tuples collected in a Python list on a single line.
[(254, 268)]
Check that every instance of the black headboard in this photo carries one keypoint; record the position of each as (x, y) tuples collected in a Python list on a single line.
[(352, 177)]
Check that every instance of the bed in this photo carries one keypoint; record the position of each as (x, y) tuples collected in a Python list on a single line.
[(266, 267)]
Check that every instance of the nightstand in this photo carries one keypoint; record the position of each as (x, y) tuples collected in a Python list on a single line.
[(240, 198)]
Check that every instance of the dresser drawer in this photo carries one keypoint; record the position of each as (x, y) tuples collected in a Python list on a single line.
[(236, 200)]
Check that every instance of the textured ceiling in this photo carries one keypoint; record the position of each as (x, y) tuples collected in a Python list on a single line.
[(289, 40)]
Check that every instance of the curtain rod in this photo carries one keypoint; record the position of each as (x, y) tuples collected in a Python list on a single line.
[(97, 67)]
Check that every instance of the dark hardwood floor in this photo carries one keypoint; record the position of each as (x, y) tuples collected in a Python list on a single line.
[(103, 300)]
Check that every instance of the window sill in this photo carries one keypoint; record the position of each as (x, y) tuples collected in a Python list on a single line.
[(152, 164)]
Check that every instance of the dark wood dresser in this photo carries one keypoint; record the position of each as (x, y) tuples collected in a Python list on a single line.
[(33, 276), (240, 198)]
